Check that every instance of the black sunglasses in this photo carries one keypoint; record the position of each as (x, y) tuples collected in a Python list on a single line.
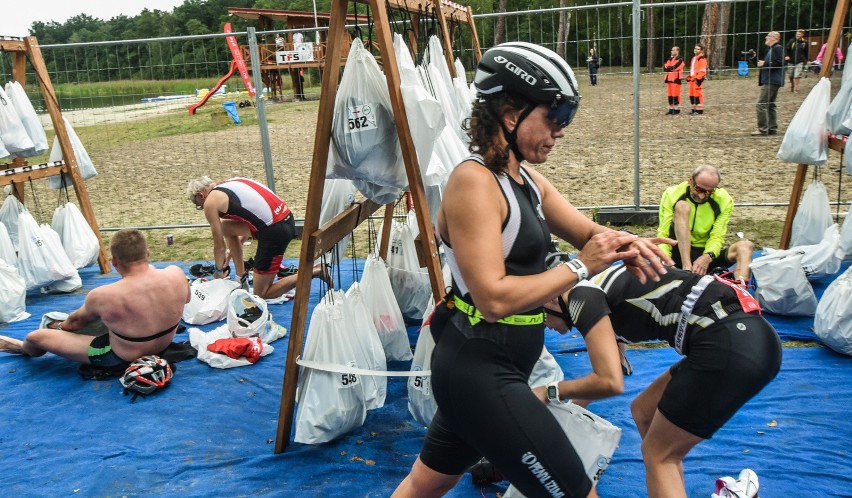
[(563, 110)]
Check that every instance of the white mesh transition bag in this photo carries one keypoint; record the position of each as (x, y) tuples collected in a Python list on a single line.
[(84, 162), (421, 401), (364, 141), (593, 438), (782, 287), (29, 119), (9, 212), (806, 139), (833, 320), (384, 310), (330, 404), (13, 135), (78, 239), (41, 259), (13, 295), (812, 217)]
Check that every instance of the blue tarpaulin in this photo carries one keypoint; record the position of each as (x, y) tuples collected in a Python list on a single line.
[(211, 432)]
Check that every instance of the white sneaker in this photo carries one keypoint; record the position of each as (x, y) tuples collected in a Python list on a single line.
[(746, 486), (749, 483), (726, 487)]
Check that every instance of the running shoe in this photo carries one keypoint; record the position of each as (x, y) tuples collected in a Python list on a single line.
[(745, 486), (199, 270), (283, 270), (287, 270), (749, 483)]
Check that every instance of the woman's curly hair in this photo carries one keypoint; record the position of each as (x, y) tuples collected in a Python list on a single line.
[(483, 128)]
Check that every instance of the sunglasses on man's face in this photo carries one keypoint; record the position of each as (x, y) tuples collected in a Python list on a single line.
[(701, 190)]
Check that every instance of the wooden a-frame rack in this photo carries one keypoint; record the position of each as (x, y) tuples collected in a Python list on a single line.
[(833, 143), (317, 240), (19, 171)]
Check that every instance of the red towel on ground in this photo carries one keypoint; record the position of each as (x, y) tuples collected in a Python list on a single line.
[(249, 348)]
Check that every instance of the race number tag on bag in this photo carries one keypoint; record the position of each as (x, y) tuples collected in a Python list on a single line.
[(421, 402), (361, 118), (349, 380)]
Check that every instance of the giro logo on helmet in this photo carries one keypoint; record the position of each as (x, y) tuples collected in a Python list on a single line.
[(530, 79)]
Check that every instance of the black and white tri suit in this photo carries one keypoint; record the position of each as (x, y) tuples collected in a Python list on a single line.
[(730, 355), (267, 216), (480, 372)]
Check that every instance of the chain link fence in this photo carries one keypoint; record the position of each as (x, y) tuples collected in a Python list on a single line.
[(128, 101)]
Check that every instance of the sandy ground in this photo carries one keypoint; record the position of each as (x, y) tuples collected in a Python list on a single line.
[(141, 183)]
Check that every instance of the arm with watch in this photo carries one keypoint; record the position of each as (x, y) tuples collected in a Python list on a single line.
[(606, 378), (213, 206)]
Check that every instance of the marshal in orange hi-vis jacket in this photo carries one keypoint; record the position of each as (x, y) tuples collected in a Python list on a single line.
[(697, 73), (674, 73)]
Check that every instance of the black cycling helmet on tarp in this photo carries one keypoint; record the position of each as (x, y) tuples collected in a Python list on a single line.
[(532, 72)]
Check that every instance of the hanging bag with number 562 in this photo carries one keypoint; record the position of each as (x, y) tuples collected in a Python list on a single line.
[(364, 141)]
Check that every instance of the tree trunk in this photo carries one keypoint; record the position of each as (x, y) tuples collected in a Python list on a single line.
[(717, 59), (564, 27), (651, 35), (709, 30), (500, 27)]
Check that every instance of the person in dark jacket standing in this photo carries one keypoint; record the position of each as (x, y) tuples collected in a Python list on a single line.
[(594, 62), (771, 79), (796, 58), (674, 73)]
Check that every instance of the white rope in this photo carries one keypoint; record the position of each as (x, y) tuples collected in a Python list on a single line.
[(333, 367)]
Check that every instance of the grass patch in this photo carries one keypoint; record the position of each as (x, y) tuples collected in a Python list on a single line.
[(136, 87)]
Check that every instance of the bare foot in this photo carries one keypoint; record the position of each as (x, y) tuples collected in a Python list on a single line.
[(10, 345)]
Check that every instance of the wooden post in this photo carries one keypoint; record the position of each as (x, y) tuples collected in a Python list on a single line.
[(52, 103), (474, 35), (330, 80), (409, 154), (802, 169), (413, 35), (315, 239), (445, 38), (384, 237), (28, 47)]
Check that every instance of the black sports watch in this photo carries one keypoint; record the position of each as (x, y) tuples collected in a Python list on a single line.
[(711, 254)]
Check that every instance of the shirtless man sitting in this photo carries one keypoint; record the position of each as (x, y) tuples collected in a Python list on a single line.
[(141, 312)]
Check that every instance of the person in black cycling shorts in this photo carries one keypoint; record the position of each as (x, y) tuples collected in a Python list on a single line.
[(239, 208), (495, 222), (730, 353)]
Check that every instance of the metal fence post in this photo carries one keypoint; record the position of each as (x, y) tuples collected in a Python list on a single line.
[(637, 47), (261, 108)]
